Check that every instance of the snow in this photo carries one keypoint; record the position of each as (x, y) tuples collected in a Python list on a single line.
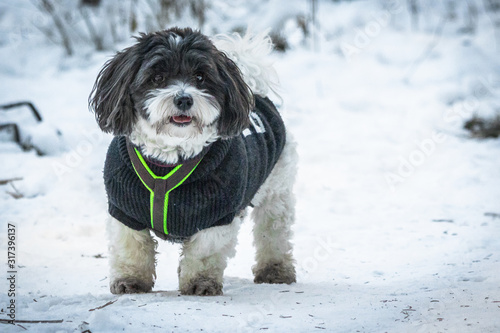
[(398, 210)]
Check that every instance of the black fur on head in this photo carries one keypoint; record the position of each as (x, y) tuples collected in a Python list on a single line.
[(156, 61)]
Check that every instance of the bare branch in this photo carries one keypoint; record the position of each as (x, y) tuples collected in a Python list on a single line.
[(7, 321), (94, 36), (49, 8)]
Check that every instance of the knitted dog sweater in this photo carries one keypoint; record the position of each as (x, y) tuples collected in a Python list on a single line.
[(223, 184)]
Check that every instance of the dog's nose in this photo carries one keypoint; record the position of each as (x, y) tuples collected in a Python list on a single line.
[(183, 102)]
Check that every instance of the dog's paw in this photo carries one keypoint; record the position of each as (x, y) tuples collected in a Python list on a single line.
[(275, 273), (129, 286), (202, 286)]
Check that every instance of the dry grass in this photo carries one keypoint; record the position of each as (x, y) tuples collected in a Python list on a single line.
[(483, 128)]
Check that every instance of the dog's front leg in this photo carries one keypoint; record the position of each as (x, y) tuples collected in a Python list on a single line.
[(274, 215), (204, 258), (131, 258)]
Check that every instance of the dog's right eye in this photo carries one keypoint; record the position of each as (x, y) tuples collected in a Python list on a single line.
[(158, 78)]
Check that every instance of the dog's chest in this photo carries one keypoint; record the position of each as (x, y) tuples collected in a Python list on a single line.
[(222, 185)]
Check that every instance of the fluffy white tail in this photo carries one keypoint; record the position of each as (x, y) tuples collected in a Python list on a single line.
[(251, 54)]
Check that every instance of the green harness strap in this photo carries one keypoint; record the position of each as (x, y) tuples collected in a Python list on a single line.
[(160, 187)]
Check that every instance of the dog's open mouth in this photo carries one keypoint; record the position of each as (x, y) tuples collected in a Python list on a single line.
[(181, 120)]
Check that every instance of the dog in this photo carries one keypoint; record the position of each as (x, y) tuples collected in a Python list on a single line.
[(196, 142)]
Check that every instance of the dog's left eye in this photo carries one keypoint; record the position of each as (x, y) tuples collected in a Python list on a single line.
[(158, 78), (200, 77)]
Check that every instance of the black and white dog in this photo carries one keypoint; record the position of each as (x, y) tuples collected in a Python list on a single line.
[(196, 142)]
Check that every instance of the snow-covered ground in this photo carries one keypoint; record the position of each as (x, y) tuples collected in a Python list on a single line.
[(398, 210)]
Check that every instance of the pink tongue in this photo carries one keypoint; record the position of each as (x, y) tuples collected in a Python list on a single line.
[(181, 119)]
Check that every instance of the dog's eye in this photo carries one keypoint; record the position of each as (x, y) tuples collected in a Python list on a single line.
[(158, 78), (200, 77)]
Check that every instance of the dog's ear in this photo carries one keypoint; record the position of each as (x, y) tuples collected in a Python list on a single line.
[(238, 99), (110, 98)]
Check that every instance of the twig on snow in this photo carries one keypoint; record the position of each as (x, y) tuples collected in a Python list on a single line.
[(492, 215), (103, 306), (7, 321), (6, 181)]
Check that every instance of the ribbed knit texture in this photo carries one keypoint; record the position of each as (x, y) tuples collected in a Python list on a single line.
[(222, 185)]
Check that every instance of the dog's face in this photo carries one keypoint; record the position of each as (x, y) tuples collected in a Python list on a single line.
[(172, 84)]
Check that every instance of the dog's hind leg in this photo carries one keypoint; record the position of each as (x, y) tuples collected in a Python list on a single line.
[(204, 259), (274, 215), (131, 258)]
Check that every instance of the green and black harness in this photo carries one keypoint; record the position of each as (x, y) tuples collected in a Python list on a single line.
[(160, 187)]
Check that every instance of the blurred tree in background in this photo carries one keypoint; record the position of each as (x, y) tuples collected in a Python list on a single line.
[(102, 24)]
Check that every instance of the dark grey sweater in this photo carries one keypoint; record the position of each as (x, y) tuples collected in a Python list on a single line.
[(222, 185)]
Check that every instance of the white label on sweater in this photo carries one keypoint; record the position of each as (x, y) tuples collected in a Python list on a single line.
[(256, 123)]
